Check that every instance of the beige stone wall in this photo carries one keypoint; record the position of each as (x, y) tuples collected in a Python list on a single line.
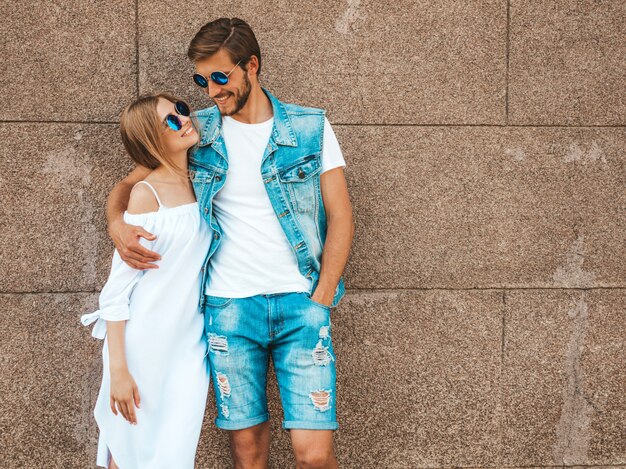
[(484, 323)]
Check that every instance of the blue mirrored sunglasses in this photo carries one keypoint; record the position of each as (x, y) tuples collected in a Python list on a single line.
[(172, 120), (220, 78)]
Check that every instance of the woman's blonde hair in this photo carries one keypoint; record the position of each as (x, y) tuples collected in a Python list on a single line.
[(141, 131)]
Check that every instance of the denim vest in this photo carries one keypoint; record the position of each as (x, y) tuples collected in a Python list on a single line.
[(290, 168)]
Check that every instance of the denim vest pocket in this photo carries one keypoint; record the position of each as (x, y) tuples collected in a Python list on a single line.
[(302, 182), (201, 181)]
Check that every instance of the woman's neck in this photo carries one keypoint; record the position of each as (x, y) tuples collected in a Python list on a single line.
[(180, 165)]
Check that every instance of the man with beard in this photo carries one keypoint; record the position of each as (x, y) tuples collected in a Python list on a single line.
[(269, 181)]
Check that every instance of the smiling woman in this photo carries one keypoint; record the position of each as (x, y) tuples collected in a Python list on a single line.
[(143, 124), (154, 384)]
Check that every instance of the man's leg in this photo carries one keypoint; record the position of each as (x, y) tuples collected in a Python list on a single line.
[(313, 449), (237, 331), (250, 447), (305, 370)]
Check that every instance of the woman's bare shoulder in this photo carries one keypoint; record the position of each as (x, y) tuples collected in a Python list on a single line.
[(142, 200)]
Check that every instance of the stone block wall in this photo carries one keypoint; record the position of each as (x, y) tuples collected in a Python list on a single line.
[(484, 323)]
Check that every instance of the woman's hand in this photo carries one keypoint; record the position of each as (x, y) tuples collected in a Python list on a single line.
[(125, 395)]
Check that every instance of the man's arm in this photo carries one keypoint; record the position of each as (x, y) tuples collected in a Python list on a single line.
[(125, 236), (339, 234)]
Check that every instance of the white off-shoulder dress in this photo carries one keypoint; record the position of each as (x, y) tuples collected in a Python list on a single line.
[(165, 344)]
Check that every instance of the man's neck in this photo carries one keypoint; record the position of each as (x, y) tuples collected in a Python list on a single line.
[(258, 108)]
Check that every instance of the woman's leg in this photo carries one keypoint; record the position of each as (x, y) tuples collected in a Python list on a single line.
[(112, 464)]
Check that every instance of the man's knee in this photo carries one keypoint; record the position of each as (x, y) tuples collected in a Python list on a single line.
[(314, 458), (250, 446)]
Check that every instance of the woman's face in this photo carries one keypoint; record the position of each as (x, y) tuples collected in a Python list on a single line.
[(175, 141)]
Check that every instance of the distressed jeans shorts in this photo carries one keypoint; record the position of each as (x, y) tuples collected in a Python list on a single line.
[(293, 330)]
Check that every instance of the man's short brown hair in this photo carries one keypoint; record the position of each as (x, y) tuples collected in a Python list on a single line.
[(232, 34)]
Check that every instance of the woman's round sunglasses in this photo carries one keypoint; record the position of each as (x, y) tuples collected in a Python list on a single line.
[(172, 120), (220, 78)]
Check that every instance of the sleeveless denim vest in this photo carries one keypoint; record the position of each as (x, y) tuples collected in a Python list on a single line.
[(290, 168)]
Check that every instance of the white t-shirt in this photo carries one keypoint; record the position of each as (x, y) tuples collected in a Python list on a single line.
[(254, 256)]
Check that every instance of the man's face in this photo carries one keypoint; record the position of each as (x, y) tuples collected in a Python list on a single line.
[(233, 96)]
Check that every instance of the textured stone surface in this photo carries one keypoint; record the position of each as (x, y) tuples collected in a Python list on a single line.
[(432, 389), (363, 61), (567, 62), (472, 207), (52, 200), (564, 378), (51, 372), (458, 207), (419, 378), (510, 353), (68, 61)]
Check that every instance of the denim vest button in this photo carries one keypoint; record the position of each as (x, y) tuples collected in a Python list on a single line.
[(216, 235), (218, 178), (301, 173), (206, 209)]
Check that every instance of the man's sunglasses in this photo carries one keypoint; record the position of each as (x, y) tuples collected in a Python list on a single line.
[(172, 120), (220, 78)]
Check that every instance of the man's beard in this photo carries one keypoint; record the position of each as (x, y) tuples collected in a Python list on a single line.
[(241, 98)]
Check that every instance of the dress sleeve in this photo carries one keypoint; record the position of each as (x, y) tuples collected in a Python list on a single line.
[(114, 300)]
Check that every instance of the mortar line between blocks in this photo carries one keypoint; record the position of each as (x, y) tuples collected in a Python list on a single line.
[(339, 124), (137, 48), (355, 290), (501, 386), (508, 42)]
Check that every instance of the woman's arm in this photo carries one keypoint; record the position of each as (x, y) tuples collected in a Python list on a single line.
[(126, 237), (114, 302), (115, 296), (124, 392)]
